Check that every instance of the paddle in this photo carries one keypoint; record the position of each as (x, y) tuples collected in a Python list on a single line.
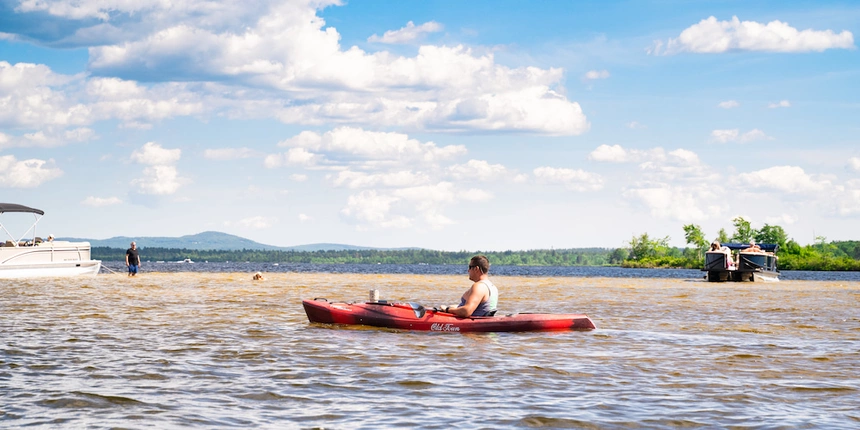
[(418, 309)]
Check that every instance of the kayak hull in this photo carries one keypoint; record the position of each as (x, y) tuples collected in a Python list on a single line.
[(408, 316)]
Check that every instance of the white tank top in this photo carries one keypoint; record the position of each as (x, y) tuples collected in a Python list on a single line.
[(488, 306)]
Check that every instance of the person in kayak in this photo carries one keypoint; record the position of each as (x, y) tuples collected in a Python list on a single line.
[(482, 297)]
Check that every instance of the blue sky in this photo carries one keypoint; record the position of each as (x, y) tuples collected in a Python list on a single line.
[(481, 125)]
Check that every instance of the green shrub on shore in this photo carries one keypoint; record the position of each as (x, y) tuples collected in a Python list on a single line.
[(666, 262), (817, 262)]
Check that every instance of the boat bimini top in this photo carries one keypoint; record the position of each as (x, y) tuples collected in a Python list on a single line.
[(12, 207)]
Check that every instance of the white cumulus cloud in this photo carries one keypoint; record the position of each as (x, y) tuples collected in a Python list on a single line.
[(618, 154), (723, 136), (680, 166), (160, 177), (576, 180), (478, 170), (656, 164), (610, 154), (789, 179), (429, 201), (29, 173), (227, 154), (728, 104), (595, 74), (429, 196), (407, 34), (352, 179), (158, 180), (713, 36), (257, 222), (854, 164), (779, 104), (418, 206), (345, 145), (668, 183), (734, 135), (368, 207), (293, 157), (98, 202), (139, 106), (276, 59), (290, 50), (154, 154), (784, 219), (686, 204), (848, 199), (33, 96), (47, 138)]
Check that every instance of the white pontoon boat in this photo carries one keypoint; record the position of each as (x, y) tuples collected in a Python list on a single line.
[(37, 258)]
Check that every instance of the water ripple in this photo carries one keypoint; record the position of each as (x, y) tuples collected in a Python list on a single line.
[(212, 350)]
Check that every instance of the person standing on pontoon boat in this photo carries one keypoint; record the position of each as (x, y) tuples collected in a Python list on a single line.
[(482, 298), (132, 260)]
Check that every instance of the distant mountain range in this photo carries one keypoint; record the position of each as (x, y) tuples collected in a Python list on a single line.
[(211, 240)]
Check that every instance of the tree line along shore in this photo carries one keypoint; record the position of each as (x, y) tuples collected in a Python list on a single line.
[(642, 252), (563, 257)]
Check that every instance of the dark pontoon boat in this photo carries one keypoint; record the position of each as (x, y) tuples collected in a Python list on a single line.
[(736, 263)]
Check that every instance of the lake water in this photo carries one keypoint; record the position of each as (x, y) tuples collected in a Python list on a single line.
[(436, 269), (194, 347)]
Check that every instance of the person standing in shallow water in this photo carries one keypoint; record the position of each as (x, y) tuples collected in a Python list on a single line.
[(132, 260)]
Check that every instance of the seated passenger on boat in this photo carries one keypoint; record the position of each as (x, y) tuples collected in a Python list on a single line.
[(482, 297), (716, 247), (753, 247)]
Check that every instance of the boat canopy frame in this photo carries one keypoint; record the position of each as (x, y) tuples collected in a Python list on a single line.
[(16, 208)]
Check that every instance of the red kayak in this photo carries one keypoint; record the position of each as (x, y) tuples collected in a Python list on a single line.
[(411, 316)]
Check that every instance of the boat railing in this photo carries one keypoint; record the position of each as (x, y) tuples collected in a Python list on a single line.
[(717, 260), (53, 251), (757, 261)]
